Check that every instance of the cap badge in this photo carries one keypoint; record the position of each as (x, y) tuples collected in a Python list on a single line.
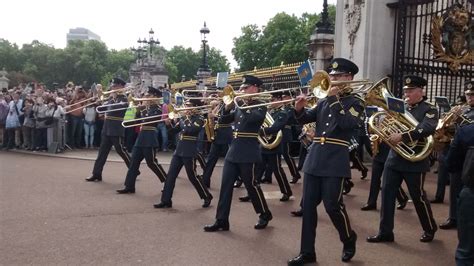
[(407, 80), (469, 86), (335, 65)]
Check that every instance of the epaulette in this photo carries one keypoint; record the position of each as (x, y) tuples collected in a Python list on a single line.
[(359, 97)]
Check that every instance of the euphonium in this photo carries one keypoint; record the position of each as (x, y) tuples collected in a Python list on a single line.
[(270, 142), (388, 122), (446, 126)]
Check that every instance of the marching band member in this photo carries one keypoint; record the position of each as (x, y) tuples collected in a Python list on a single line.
[(242, 158), (327, 162), (220, 143), (398, 169), (288, 138), (186, 149), (455, 180), (112, 131), (272, 157), (145, 145)]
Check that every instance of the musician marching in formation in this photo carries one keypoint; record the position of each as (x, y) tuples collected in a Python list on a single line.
[(327, 162), (146, 144), (242, 158), (398, 169), (112, 131), (190, 123)]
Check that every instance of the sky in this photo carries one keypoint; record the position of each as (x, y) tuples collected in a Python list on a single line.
[(120, 23)]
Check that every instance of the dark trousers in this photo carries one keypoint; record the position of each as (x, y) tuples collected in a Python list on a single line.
[(465, 222), (77, 125), (364, 142), (329, 191), (247, 172), (272, 163), (41, 138), (303, 153), (443, 176), (200, 159), (212, 158), (130, 138), (104, 149), (375, 181), (10, 140), (454, 190), (138, 154), (356, 161), (290, 161), (391, 183), (176, 164)]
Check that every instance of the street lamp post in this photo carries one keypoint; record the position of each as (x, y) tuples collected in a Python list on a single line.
[(203, 72)]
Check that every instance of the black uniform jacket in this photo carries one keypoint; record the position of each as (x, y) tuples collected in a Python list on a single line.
[(427, 116), (287, 131), (113, 119), (223, 133), (190, 127), (148, 136), (245, 147), (335, 123), (280, 118)]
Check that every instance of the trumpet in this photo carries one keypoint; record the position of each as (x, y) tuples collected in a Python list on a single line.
[(173, 112), (321, 84)]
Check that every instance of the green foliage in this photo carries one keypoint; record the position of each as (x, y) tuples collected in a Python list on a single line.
[(282, 39)]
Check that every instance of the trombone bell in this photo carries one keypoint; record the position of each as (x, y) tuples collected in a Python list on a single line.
[(321, 84)]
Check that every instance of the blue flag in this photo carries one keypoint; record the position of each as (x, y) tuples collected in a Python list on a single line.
[(396, 105), (305, 72)]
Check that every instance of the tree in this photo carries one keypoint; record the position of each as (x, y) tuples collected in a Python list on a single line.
[(282, 39), (217, 62)]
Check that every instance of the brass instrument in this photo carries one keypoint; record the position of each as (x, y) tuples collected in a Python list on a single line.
[(214, 94), (306, 140), (209, 128), (446, 126), (387, 122), (142, 121), (270, 142), (173, 112), (80, 106), (321, 84), (265, 96)]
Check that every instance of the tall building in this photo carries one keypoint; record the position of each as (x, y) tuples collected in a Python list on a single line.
[(81, 34)]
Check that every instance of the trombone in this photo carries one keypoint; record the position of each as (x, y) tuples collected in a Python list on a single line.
[(174, 112), (78, 105), (140, 121), (266, 95), (121, 105), (321, 84), (188, 94)]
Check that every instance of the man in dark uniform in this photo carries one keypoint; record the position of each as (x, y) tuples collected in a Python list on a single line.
[(327, 162), (455, 177), (220, 143), (112, 130), (461, 156), (271, 158), (398, 169), (288, 138), (186, 149), (242, 158), (145, 145)]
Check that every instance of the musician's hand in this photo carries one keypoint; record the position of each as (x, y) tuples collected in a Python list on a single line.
[(334, 90), (300, 102), (229, 106), (395, 138)]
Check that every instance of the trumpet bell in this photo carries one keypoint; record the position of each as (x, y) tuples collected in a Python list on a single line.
[(320, 83), (228, 94)]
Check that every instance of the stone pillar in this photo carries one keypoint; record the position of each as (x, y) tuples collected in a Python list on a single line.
[(4, 81), (321, 50), (365, 32)]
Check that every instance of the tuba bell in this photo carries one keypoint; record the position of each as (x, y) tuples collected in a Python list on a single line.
[(270, 142), (386, 122)]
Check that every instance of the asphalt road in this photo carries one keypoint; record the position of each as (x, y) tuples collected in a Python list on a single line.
[(51, 216)]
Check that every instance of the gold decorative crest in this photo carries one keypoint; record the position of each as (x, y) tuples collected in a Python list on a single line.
[(335, 65), (451, 41)]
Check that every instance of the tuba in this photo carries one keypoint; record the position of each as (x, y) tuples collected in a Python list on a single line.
[(270, 142), (387, 122)]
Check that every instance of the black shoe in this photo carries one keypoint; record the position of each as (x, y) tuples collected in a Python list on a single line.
[(126, 190), (347, 187), (285, 197), (263, 221), (380, 238), (207, 202), (238, 183), (297, 213), (163, 205), (449, 224), (244, 198), (294, 180), (364, 173), (349, 249), (369, 207), (402, 204), (436, 200), (427, 236), (94, 178), (302, 259), (218, 225)]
